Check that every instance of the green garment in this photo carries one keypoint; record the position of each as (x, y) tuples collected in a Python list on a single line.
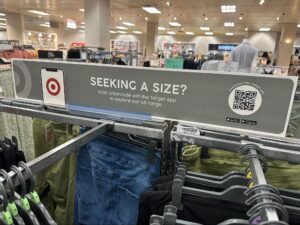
[(56, 183), (280, 174)]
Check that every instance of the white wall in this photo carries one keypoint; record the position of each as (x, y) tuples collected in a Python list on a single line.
[(297, 41), (265, 41), (3, 35)]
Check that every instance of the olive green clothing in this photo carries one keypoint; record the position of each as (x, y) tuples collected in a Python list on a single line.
[(280, 173), (56, 183)]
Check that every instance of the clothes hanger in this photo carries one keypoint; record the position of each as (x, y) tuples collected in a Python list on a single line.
[(5, 216), (22, 202), (36, 205), (12, 208)]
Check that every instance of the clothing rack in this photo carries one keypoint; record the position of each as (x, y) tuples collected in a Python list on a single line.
[(254, 147)]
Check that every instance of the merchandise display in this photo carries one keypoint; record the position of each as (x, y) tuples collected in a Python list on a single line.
[(118, 112)]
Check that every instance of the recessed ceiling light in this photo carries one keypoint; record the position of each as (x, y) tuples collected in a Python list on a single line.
[(228, 24), (129, 24), (171, 32), (175, 24), (83, 23), (120, 18), (228, 8), (81, 31), (29, 33), (82, 10), (44, 25), (2, 14), (146, 18), (161, 28), (112, 32), (40, 16), (189, 33), (229, 34), (175, 18), (39, 12), (151, 10), (240, 18), (168, 3), (262, 2), (82, 27), (246, 29), (3, 19), (277, 18), (137, 32), (122, 32), (40, 35), (209, 33), (298, 25), (204, 28), (264, 29), (121, 28), (61, 16), (206, 18)]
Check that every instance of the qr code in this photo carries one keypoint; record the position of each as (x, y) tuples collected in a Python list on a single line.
[(244, 100)]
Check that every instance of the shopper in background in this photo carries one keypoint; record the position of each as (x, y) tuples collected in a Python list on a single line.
[(245, 55)]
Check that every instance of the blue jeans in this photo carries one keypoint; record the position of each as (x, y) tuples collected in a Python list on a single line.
[(110, 177)]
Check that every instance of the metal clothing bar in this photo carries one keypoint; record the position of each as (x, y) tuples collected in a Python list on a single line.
[(259, 179), (42, 162), (287, 149)]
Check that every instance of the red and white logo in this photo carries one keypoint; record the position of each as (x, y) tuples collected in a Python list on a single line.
[(53, 86)]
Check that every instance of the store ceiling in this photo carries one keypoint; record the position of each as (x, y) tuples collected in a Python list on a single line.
[(189, 13)]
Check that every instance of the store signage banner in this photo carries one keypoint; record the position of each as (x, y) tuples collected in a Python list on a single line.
[(242, 102)]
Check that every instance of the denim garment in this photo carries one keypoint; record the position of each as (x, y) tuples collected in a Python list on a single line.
[(110, 177)]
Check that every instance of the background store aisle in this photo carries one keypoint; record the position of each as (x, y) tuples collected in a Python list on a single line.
[(15, 125)]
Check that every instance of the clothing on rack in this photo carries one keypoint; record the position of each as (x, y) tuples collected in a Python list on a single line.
[(15, 125), (110, 176), (55, 185)]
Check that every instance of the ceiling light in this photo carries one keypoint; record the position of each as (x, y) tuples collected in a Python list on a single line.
[(161, 28), (39, 12), (168, 3), (209, 33), (171, 32), (82, 27), (298, 25), (264, 29), (121, 28), (204, 28), (277, 18), (129, 24), (146, 18), (137, 32), (3, 19), (81, 31), (175, 18), (175, 24), (61, 16), (120, 18), (112, 32), (262, 2), (40, 16), (82, 10), (2, 27), (121, 32), (3, 24), (246, 29), (2, 14), (44, 25), (229, 34), (240, 18), (206, 18), (189, 33), (228, 8), (228, 24), (151, 9), (49, 35), (83, 23), (40, 35), (29, 33)]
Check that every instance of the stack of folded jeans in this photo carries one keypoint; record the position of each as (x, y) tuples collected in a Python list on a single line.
[(111, 175)]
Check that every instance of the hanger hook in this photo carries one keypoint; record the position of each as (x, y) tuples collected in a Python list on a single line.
[(31, 177), (21, 179), (4, 201), (9, 183)]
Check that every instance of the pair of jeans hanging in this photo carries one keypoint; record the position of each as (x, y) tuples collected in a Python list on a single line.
[(110, 176)]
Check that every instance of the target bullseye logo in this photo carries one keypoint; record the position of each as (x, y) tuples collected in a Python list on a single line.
[(53, 86)]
